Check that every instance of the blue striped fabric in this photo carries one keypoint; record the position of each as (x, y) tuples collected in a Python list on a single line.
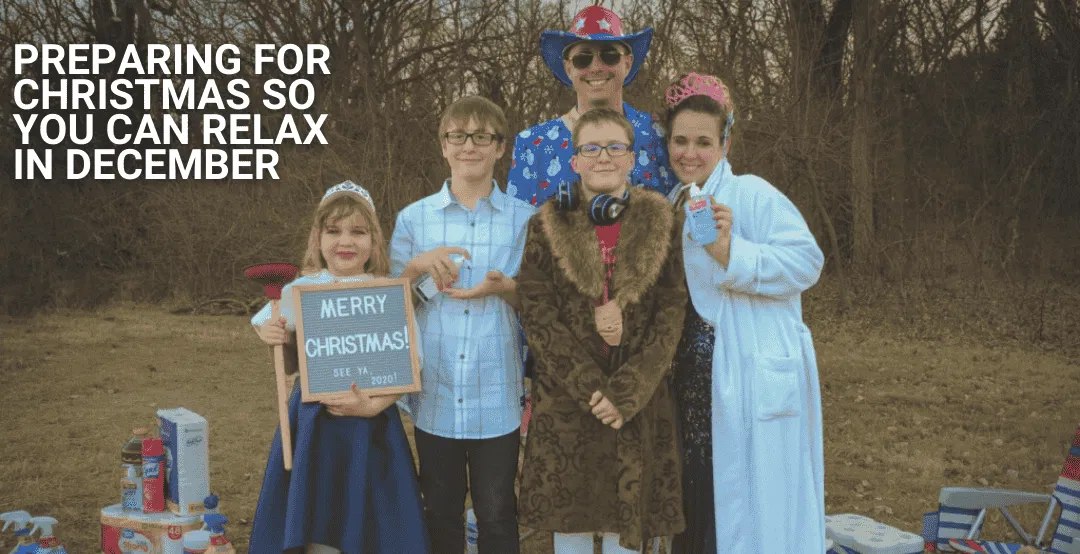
[(1067, 533), (954, 523), (930, 527), (985, 546), (1001, 547)]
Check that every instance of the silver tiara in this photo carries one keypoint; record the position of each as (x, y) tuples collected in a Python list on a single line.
[(348, 186)]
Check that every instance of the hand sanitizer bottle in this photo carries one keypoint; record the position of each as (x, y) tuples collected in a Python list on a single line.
[(699, 212), (426, 288)]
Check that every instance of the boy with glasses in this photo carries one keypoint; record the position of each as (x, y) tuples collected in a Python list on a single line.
[(468, 412), (603, 297), (597, 60)]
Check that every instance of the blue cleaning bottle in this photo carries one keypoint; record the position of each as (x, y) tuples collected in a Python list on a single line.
[(47, 542), (219, 544), (20, 519)]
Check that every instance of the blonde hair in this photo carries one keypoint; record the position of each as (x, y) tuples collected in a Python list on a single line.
[(475, 108), (339, 206)]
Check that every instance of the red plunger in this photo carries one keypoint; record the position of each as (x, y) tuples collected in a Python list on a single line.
[(273, 277)]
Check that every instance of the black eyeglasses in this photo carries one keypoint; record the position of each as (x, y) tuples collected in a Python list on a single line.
[(479, 139), (608, 56), (615, 150)]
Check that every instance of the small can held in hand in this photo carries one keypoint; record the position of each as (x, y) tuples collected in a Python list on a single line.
[(426, 288), (699, 212)]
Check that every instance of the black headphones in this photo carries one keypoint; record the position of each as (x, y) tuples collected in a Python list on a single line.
[(604, 209)]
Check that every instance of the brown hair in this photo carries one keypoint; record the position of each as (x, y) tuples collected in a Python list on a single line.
[(475, 108), (599, 116), (345, 204)]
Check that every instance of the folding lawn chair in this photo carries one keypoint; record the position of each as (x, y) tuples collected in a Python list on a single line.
[(956, 524)]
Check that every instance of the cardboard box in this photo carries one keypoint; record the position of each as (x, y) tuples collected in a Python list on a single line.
[(187, 460), (127, 532)]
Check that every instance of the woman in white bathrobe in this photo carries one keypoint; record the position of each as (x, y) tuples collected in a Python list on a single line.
[(745, 372)]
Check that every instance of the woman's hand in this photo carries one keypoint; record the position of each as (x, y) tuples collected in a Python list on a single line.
[(273, 332), (605, 411), (720, 249), (359, 404)]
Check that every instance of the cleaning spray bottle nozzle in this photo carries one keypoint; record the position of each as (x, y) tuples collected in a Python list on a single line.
[(215, 523), (19, 518), (45, 523)]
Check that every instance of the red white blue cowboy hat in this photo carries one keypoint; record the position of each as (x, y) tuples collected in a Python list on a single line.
[(594, 23)]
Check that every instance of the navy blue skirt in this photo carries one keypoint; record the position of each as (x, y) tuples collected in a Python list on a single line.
[(353, 486)]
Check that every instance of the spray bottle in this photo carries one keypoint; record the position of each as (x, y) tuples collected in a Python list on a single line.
[(153, 478), (219, 544), (47, 543), (26, 544)]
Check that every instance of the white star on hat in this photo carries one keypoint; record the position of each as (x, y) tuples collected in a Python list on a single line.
[(605, 25), (580, 24)]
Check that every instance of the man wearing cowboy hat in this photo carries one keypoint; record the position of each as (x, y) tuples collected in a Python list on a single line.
[(598, 60)]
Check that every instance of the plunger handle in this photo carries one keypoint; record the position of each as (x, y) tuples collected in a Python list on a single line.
[(282, 393)]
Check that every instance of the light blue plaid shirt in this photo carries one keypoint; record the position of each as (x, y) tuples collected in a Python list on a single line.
[(472, 370)]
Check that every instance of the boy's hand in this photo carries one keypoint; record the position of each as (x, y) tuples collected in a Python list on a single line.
[(605, 411), (437, 262), (359, 404), (273, 332), (608, 319), (494, 283)]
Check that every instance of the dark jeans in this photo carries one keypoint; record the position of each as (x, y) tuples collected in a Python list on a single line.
[(492, 467)]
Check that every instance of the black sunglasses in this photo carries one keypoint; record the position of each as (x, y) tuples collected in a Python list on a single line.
[(608, 56)]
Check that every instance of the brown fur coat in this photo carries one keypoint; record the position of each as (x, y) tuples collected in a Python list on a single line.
[(579, 474)]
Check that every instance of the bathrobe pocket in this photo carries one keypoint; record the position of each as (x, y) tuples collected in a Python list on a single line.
[(776, 384)]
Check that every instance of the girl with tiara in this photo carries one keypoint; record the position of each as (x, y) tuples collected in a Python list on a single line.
[(745, 374), (353, 485)]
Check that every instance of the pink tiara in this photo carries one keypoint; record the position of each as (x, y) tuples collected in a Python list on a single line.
[(694, 84)]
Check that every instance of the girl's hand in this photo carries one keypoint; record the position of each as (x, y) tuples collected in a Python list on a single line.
[(273, 332), (359, 404), (720, 249), (356, 405)]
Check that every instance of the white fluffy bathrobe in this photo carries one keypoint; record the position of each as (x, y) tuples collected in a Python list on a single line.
[(766, 402)]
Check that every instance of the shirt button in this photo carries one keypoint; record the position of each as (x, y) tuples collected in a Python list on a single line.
[(466, 311), (462, 356), (460, 400), (473, 224)]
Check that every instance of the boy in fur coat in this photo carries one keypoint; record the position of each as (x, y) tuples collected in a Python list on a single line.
[(602, 303)]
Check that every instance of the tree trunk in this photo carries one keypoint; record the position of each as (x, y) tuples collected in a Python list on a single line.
[(862, 135)]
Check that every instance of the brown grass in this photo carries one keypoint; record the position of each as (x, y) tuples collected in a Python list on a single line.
[(906, 412)]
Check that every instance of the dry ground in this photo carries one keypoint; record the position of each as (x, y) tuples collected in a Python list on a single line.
[(903, 416)]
